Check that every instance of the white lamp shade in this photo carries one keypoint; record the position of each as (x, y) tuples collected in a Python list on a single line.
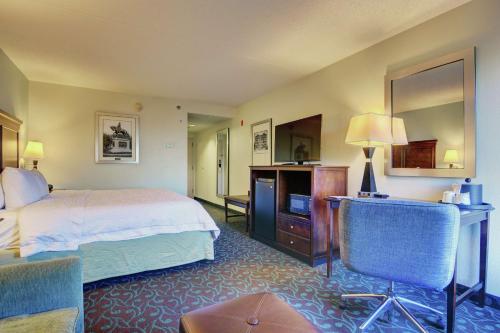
[(451, 156), (34, 150), (399, 132), (369, 130)]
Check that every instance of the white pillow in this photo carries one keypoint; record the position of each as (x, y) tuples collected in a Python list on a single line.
[(22, 187), (9, 229)]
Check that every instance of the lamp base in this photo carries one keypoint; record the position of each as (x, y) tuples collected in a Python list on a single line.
[(35, 165), (368, 184), (366, 194)]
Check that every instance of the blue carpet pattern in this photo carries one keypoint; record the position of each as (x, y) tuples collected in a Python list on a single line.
[(154, 301)]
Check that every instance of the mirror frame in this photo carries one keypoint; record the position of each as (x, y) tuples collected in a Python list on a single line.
[(226, 175), (469, 169)]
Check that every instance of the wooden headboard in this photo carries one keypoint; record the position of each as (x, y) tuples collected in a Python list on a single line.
[(9, 140)]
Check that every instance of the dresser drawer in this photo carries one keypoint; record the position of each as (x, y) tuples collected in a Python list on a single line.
[(294, 225), (294, 243)]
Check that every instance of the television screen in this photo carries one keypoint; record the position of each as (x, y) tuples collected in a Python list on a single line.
[(299, 140)]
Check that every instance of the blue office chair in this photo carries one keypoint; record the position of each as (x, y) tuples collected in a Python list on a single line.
[(400, 241)]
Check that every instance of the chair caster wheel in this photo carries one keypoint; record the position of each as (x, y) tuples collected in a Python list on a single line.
[(440, 324)]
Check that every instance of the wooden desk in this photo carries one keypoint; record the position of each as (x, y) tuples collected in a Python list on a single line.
[(467, 217)]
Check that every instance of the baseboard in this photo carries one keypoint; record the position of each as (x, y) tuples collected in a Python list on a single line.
[(208, 202), (230, 210), (491, 300)]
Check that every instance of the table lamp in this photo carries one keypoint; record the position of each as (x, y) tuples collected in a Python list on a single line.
[(34, 151), (398, 132), (369, 131), (451, 156)]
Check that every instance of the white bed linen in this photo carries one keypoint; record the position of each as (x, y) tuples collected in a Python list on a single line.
[(66, 219), (9, 230)]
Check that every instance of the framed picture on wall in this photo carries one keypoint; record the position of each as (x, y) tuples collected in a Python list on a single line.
[(116, 138), (262, 143)]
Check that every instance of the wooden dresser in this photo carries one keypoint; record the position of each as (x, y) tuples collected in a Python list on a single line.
[(416, 154), (302, 236)]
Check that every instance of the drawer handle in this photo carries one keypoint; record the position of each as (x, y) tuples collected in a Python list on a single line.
[(291, 242), (291, 227)]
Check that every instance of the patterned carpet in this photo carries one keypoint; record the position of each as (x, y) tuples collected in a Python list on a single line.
[(154, 301)]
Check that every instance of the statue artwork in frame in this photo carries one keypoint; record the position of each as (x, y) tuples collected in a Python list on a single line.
[(116, 138), (262, 142)]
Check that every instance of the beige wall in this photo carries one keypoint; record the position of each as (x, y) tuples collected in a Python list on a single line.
[(356, 85), (63, 118), (14, 93)]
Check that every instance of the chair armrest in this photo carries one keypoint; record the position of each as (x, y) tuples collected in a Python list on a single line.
[(40, 286)]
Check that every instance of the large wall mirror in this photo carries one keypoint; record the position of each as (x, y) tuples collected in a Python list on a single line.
[(223, 162), (436, 101)]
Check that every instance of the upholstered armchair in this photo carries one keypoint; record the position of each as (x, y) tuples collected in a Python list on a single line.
[(399, 241), (42, 296)]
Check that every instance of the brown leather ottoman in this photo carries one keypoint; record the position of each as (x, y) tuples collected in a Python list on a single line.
[(258, 313)]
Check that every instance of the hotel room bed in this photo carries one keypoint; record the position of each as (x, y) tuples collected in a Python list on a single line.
[(102, 260), (115, 232)]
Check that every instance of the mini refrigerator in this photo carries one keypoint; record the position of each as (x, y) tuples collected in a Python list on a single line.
[(265, 209)]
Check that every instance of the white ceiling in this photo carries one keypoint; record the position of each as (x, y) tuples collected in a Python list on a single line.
[(224, 51)]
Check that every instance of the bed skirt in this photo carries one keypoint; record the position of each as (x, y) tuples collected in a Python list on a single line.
[(102, 260)]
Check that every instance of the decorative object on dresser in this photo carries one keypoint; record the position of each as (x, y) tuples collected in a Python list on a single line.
[(34, 152), (436, 99), (9, 136), (116, 138), (262, 143), (371, 130), (271, 222)]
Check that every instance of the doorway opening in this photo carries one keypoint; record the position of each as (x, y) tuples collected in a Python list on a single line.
[(203, 169)]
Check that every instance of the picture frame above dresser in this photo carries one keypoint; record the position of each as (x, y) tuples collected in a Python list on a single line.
[(436, 100)]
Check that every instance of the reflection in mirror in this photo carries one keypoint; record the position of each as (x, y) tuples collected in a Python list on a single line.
[(223, 162), (431, 104)]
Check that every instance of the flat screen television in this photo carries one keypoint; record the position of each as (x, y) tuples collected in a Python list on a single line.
[(298, 141)]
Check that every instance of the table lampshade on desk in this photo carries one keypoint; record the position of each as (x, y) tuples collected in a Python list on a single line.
[(371, 130), (451, 157), (34, 151)]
